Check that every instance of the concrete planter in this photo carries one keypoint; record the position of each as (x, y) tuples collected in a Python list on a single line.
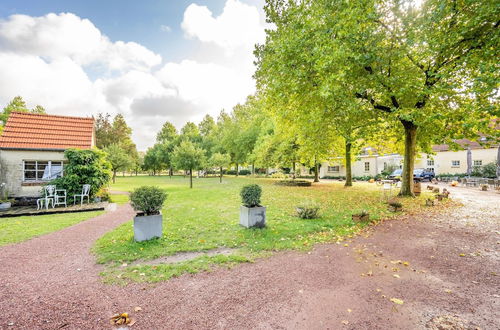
[(147, 227), (253, 216)]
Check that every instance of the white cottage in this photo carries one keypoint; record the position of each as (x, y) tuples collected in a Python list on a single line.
[(32, 149)]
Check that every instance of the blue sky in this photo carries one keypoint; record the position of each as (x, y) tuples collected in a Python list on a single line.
[(127, 20), (152, 61)]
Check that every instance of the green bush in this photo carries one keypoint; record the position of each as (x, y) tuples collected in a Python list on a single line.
[(250, 195), (103, 194), (84, 167), (148, 199), (489, 170), (294, 183), (308, 210)]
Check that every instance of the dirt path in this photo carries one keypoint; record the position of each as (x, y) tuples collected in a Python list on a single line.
[(52, 281)]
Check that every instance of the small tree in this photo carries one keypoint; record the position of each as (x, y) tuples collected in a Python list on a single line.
[(187, 156), (119, 159), (220, 161), (84, 167)]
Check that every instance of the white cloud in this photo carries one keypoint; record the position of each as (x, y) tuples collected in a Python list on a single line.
[(239, 25), (46, 59)]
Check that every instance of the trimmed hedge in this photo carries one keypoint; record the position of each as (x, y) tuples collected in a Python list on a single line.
[(294, 183)]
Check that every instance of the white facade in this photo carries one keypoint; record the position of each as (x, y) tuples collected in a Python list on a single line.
[(443, 162)]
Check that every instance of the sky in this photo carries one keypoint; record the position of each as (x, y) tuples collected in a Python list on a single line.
[(150, 60)]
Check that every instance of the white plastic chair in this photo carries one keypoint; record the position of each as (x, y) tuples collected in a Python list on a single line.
[(85, 193)]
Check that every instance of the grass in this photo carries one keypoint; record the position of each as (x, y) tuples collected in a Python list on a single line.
[(207, 217), (19, 229)]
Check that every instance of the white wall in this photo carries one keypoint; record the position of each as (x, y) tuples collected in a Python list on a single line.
[(11, 170)]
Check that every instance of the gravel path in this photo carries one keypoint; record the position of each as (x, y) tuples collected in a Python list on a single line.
[(52, 281)]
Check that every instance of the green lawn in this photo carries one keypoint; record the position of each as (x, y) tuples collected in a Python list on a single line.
[(19, 229), (207, 217)]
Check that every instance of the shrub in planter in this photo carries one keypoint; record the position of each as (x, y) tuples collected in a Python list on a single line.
[(308, 210), (363, 216), (252, 214), (395, 206), (148, 201), (429, 202), (439, 197)]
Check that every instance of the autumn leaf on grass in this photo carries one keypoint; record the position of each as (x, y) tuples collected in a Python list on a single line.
[(345, 322), (121, 319), (397, 301)]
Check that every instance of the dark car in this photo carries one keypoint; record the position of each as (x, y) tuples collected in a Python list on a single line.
[(421, 174)]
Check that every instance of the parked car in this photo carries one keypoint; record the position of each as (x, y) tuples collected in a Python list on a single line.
[(419, 174), (396, 175)]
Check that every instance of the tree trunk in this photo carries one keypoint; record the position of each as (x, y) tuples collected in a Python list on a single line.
[(221, 174), (170, 172), (348, 165), (253, 168), (114, 176), (237, 170), (293, 169), (316, 171), (191, 178), (123, 173), (409, 158), (267, 172)]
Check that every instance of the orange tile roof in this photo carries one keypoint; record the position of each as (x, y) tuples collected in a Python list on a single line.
[(40, 131)]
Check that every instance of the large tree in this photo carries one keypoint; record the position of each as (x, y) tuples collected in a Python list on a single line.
[(433, 69), (17, 104), (188, 156), (119, 159)]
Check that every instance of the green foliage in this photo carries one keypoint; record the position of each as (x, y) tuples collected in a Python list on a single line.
[(84, 167), (296, 183), (167, 134), (250, 195), (188, 156), (308, 210), (148, 199), (489, 170), (17, 104), (119, 159), (219, 160)]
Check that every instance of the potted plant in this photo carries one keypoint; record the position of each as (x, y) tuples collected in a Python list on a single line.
[(417, 188), (148, 201), (363, 216), (252, 214), (308, 210), (395, 206), (5, 202), (446, 193), (439, 197), (484, 187)]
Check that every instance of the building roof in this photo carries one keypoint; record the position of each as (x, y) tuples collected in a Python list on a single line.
[(47, 132), (464, 144)]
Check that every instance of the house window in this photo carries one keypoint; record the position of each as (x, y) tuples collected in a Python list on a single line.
[(367, 166), (430, 162), (334, 168), (385, 166), (34, 170), (455, 163), (478, 163)]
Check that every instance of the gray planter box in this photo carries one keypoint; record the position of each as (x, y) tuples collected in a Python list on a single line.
[(253, 216), (147, 227), (5, 206)]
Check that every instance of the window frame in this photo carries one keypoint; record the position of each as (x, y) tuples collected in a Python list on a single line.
[(430, 162), (37, 170), (333, 169), (455, 163), (367, 166), (477, 162)]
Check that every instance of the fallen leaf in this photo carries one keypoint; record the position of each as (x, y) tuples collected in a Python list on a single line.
[(397, 301), (345, 322), (462, 254), (406, 263), (346, 244), (379, 290), (370, 273), (396, 276), (137, 309), (349, 310), (447, 291)]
